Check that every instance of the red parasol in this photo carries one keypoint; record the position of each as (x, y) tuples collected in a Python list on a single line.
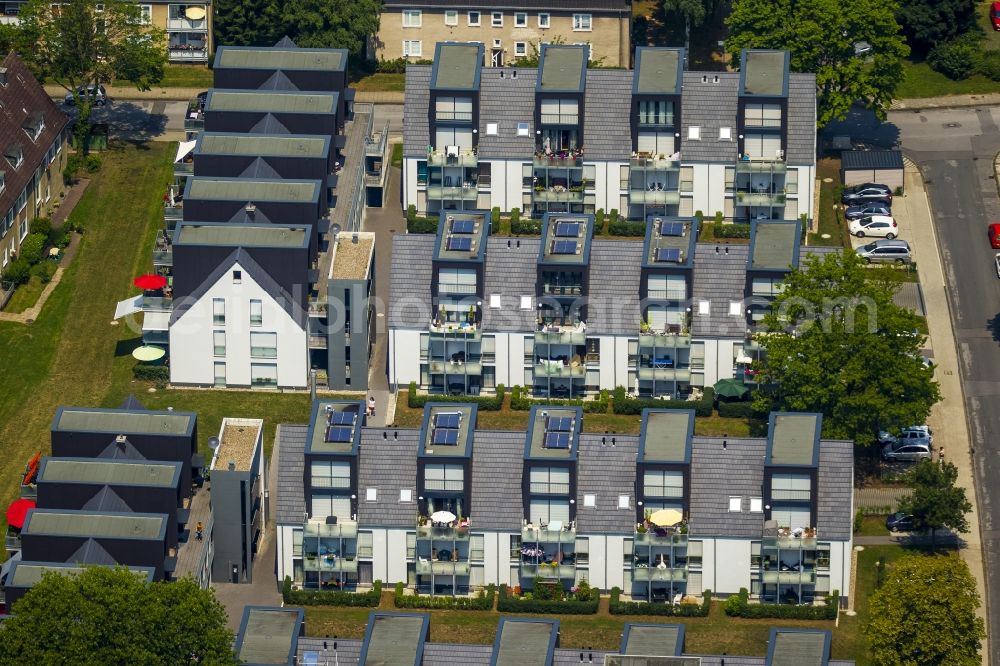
[(150, 282), (18, 511)]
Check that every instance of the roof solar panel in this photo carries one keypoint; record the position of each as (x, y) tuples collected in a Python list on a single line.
[(671, 229), (557, 440), (668, 254), (568, 229), (445, 436), (460, 244), (342, 418), (560, 423), (338, 434), (447, 419), (463, 227), (563, 247)]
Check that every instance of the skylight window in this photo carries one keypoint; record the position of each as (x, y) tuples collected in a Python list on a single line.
[(735, 308), (590, 500), (371, 495), (735, 504), (704, 307), (522, 129), (694, 133), (526, 302), (492, 129), (725, 134), (495, 301), (623, 501), (756, 505), (405, 495)]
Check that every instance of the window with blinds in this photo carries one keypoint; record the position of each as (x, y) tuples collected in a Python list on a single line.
[(297, 542), (457, 281), (453, 108), (548, 510), (791, 487), (477, 547), (411, 545), (560, 112), (324, 505), (365, 544), (582, 550), (766, 286), (790, 516), (444, 477), (453, 136), (549, 480), (762, 115), (663, 483), (663, 287), (330, 474), (765, 146)]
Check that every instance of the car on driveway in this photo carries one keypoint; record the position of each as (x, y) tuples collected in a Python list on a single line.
[(917, 433), (907, 452), (899, 522), (886, 251), (993, 233), (874, 225), (995, 15), (866, 192), (868, 208), (98, 95)]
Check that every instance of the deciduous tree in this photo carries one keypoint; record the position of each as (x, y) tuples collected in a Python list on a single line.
[(240, 23), (837, 344), (821, 36), (112, 616), (936, 502), (928, 23), (345, 24), (925, 614)]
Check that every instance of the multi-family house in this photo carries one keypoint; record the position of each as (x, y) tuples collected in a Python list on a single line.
[(412, 29), (448, 508), (32, 136), (653, 141), (566, 314)]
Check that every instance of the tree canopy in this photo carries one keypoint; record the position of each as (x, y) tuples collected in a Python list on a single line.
[(821, 36), (925, 614), (112, 616), (837, 344), (928, 23), (936, 502)]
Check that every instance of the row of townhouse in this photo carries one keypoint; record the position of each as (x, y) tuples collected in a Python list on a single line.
[(448, 508), (33, 136), (247, 248), (653, 141), (566, 315)]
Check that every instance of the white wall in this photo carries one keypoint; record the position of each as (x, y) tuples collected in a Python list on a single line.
[(409, 182), (284, 551), (731, 563), (718, 360), (395, 551), (380, 557), (192, 355), (502, 346), (700, 188), (404, 356), (716, 200)]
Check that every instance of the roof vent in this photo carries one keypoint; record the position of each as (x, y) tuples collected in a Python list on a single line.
[(704, 78), (120, 439), (232, 465), (354, 239), (250, 208), (715, 79), (513, 74), (501, 73)]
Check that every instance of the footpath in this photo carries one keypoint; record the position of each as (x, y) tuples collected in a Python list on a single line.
[(184, 94)]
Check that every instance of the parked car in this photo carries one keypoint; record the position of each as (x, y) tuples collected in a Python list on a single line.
[(907, 452), (993, 233), (98, 95), (914, 434), (866, 192), (899, 522), (876, 207), (995, 15), (875, 225), (996, 263), (886, 251)]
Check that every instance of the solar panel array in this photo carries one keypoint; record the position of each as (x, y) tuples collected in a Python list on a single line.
[(671, 229), (463, 227), (339, 434), (447, 419), (563, 247), (558, 432), (559, 423), (460, 244), (568, 229), (668, 254), (341, 418), (445, 431), (557, 440)]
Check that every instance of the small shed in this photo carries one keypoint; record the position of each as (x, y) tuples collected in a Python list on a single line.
[(872, 166)]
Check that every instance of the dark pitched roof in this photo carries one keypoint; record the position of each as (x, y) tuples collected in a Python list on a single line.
[(720, 473), (801, 139), (259, 168), (511, 273), (131, 402), (709, 105), (269, 124), (835, 489), (291, 464), (720, 279), (607, 133), (21, 99), (410, 279), (106, 499), (92, 552), (388, 465), (614, 289), (606, 471), (278, 81), (496, 497), (871, 159)]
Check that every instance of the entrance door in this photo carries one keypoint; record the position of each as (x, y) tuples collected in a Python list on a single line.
[(497, 57)]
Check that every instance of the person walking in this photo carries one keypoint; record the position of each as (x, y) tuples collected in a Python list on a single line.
[(198, 531), (371, 406)]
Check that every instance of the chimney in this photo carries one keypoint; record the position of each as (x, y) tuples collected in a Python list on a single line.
[(354, 239), (727, 249), (232, 465), (715, 79), (704, 78)]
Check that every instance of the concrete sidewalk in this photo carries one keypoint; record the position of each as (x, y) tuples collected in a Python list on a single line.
[(948, 418), (945, 102), (159, 94)]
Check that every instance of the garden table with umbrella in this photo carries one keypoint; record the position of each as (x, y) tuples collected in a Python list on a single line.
[(150, 282), (17, 512), (731, 388), (666, 517), (442, 517)]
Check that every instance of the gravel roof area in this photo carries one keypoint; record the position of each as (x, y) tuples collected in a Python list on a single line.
[(351, 259), (237, 446)]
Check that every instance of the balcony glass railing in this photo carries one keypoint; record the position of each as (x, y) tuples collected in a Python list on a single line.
[(173, 213), (428, 532), (642, 196), (428, 567), (760, 198), (789, 543), (559, 369), (534, 534), (665, 374), (651, 538), (339, 530), (461, 193), (558, 160), (465, 158), (761, 166), (469, 367), (330, 563), (663, 341), (163, 258), (545, 570), (183, 167), (571, 195), (455, 329), (791, 577), (460, 289), (656, 574), (157, 303), (194, 124), (654, 163), (560, 337)]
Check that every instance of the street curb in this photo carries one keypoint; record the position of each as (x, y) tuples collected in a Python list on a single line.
[(945, 102)]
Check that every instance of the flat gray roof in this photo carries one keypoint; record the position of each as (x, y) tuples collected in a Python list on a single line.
[(775, 245), (666, 435), (764, 73), (657, 71), (456, 67), (28, 574), (539, 427), (524, 643), (277, 58), (563, 68), (110, 472), (263, 144), (395, 639), (326, 417), (244, 235), (798, 647), (438, 419), (124, 422), (97, 525), (450, 221), (794, 439), (653, 640), (271, 102), (268, 636), (245, 189)]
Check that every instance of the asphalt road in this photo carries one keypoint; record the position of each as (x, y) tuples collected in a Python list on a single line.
[(955, 149)]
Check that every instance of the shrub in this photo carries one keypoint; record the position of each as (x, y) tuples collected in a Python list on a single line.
[(622, 404), (93, 163), (741, 410), (415, 224), (736, 230), (18, 271), (73, 163), (395, 66), (508, 603), (368, 599), (599, 219), (699, 216), (718, 217), (151, 373), (44, 270), (859, 519), (989, 65), (489, 403), (956, 58), (515, 216), (739, 605), (32, 248), (626, 228), (495, 218), (525, 227), (520, 401), (618, 607), (59, 237), (41, 225), (483, 601)]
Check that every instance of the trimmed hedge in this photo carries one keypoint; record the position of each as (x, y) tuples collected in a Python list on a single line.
[(626, 228), (743, 410), (415, 224), (369, 599), (622, 404), (739, 605), (508, 603), (735, 230), (489, 403), (151, 373), (525, 226), (619, 607), (520, 401), (483, 601)]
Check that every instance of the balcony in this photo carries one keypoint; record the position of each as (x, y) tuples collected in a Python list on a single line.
[(173, 213), (430, 532), (332, 563), (456, 368), (559, 369), (567, 160), (548, 570), (655, 574), (343, 530), (558, 193), (184, 53), (465, 158), (789, 543), (760, 198), (458, 289), (761, 166), (163, 258), (533, 534), (452, 329), (562, 289), (789, 577), (185, 24), (664, 374), (427, 567), (194, 124), (318, 342), (664, 340), (157, 304), (555, 335), (450, 193), (183, 168), (662, 197), (12, 540), (651, 538), (654, 163)]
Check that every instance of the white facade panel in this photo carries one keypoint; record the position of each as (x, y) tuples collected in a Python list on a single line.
[(701, 188), (404, 356), (718, 360), (395, 552), (620, 359), (284, 550), (380, 555), (614, 568), (608, 357), (716, 201), (409, 182), (732, 565), (511, 196)]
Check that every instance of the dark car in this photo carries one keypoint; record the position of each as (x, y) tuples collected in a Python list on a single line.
[(868, 208), (899, 522), (865, 193)]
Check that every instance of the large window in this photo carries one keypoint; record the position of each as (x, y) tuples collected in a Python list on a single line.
[(544, 20), (496, 19), (324, 505), (453, 108), (663, 287), (520, 20), (560, 112), (330, 474), (762, 146), (444, 477), (793, 487), (474, 18), (663, 483), (790, 516), (548, 510), (549, 480), (263, 345), (220, 373), (766, 286), (219, 311), (264, 375), (411, 18), (656, 112), (762, 115), (457, 281), (451, 17), (412, 47), (581, 22)]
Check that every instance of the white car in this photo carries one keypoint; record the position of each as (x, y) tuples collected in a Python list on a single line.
[(874, 225)]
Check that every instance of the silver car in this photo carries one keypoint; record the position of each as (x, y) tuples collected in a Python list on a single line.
[(907, 451), (886, 251)]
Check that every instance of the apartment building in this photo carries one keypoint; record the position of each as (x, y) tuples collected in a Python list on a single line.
[(33, 135), (566, 314), (188, 26), (448, 508), (412, 29), (653, 141)]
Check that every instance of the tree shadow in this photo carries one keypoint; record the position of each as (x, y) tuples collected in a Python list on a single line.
[(128, 121), (993, 326), (865, 130)]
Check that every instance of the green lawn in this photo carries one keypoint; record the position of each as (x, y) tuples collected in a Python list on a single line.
[(397, 155), (922, 81), (380, 83), (873, 526), (991, 37), (187, 76), (830, 221), (25, 296)]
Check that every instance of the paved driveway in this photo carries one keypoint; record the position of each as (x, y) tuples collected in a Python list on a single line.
[(135, 120)]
